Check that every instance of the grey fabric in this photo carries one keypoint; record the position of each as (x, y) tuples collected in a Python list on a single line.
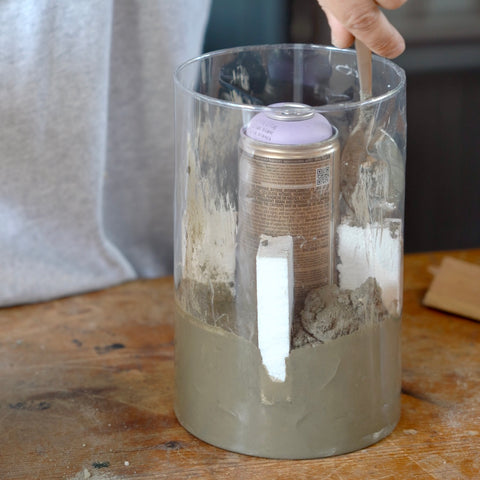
[(86, 140)]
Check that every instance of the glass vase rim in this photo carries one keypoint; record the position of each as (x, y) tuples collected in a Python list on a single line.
[(331, 107)]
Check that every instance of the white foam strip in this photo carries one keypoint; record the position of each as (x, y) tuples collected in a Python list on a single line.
[(374, 251), (275, 302)]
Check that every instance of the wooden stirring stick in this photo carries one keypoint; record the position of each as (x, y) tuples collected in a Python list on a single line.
[(364, 61)]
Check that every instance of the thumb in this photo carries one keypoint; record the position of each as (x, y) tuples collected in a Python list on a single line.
[(340, 36)]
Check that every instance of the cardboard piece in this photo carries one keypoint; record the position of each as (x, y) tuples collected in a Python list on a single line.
[(455, 288)]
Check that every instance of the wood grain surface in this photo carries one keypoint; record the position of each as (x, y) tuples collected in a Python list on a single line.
[(86, 392)]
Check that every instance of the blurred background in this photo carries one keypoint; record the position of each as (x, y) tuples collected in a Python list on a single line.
[(442, 63)]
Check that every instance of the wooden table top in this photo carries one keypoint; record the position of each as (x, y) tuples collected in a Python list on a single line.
[(86, 392)]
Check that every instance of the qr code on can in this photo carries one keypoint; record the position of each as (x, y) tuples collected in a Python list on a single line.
[(323, 176)]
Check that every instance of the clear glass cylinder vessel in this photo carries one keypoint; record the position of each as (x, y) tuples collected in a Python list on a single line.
[(288, 250)]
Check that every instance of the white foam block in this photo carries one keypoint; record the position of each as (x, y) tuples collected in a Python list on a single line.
[(374, 251), (275, 302)]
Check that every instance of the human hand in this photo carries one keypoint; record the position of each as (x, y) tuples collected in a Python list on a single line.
[(363, 19)]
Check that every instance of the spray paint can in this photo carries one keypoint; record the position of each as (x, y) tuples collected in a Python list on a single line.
[(288, 157)]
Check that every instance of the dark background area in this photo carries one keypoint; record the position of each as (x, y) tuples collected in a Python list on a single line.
[(442, 63)]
